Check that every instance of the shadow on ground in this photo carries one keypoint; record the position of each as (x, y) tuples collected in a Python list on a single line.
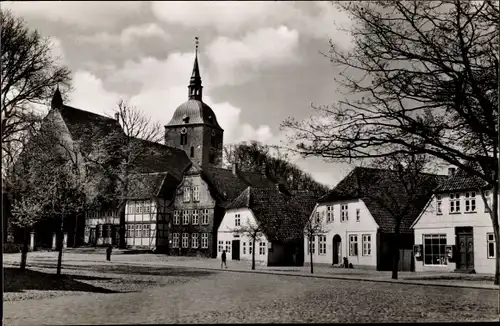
[(116, 268), (16, 280)]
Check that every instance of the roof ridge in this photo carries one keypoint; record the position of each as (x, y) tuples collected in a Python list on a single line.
[(88, 112)]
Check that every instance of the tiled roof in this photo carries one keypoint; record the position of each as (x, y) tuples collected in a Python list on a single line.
[(228, 186), (148, 185), (461, 180), (383, 193), (281, 216), (155, 157), (81, 123)]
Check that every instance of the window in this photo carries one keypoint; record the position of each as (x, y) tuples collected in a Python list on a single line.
[(130, 208), (435, 249), (470, 201), (311, 245), (353, 245), (177, 219), (147, 207), (138, 230), (204, 240), (487, 206), (228, 246), (322, 245), (250, 247), (192, 151), (185, 240), (194, 219), (455, 203), (185, 217), (175, 240), (194, 238), (358, 214), (329, 214), (162, 231), (244, 248), (367, 245), (262, 248), (186, 194), (344, 213), (204, 216), (196, 193), (221, 246), (213, 141), (490, 238), (140, 207), (184, 139), (146, 230), (129, 229), (237, 220), (439, 201), (318, 218)]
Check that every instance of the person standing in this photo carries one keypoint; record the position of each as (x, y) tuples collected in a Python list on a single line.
[(223, 256), (109, 249)]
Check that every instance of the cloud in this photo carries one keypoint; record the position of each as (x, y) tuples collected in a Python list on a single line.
[(236, 61), (130, 36), (88, 14), (316, 19), (162, 87), (56, 49)]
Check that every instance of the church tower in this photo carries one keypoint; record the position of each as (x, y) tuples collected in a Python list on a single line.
[(194, 127)]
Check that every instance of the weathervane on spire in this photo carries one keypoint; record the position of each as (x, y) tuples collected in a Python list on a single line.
[(196, 42)]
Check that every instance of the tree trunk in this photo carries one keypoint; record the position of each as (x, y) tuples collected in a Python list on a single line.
[(395, 254), (496, 230), (121, 214), (75, 237), (253, 254), (61, 242), (311, 254), (24, 251)]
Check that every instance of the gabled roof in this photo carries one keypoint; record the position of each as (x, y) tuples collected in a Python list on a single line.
[(282, 216), (81, 123), (462, 180), (149, 185), (156, 157), (378, 188), (228, 186)]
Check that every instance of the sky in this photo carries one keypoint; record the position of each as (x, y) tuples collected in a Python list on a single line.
[(260, 62)]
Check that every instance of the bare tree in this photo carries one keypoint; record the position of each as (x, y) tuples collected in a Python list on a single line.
[(315, 226), (119, 154), (422, 77), (254, 232), (29, 74), (401, 189)]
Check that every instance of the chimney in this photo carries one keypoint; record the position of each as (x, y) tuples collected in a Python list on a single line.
[(117, 116), (451, 171), (235, 168)]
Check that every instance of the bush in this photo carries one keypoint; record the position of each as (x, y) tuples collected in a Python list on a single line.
[(12, 248)]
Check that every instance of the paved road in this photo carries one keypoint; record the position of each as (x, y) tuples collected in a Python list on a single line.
[(223, 297)]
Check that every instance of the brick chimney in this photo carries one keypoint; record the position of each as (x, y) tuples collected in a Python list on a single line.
[(451, 171), (235, 168)]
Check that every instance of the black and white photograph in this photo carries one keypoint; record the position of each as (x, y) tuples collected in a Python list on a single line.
[(243, 162)]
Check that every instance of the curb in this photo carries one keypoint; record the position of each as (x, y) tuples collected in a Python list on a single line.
[(343, 277)]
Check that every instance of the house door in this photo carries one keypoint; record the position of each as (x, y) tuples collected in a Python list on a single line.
[(235, 250), (465, 260), (92, 238), (336, 249)]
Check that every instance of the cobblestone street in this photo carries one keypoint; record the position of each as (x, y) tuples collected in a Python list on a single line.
[(221, 297)]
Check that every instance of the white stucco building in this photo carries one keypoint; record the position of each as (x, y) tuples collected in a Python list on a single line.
[(454, 232)]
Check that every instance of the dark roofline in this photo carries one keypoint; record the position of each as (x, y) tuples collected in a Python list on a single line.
[(194, 125), (87, 112)]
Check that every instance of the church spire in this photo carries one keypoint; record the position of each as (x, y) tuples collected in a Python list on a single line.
[(195, 88), (57, 100)]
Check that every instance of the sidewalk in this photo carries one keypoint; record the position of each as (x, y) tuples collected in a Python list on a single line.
[(479, 281)]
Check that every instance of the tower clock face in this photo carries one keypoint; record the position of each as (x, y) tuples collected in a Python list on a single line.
[(183, 130)]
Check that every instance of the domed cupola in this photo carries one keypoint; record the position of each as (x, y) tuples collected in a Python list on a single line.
[(194, 111), (194, 127)]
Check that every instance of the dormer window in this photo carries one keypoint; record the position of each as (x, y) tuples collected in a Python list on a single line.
[(185, 119), (210, 119)]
